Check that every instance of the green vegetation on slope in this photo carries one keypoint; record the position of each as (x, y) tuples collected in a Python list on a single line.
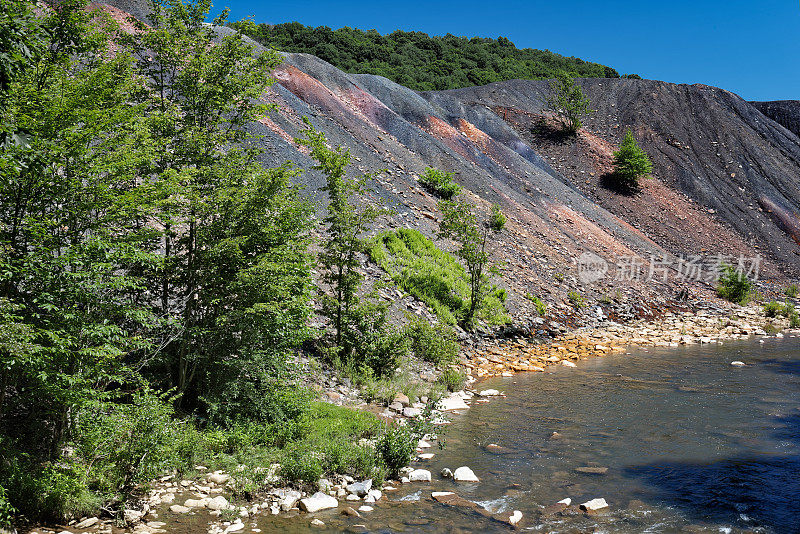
[(419, 61), (435, 277)]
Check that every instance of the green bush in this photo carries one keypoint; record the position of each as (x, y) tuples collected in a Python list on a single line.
[(497, 220), (734, 286), (375, 342), (301, 465), (433, 343), (772, 308), (433, 276), (440, 183), (794, 320), (453, 379), (630, 163), (396, 447), (576, 300), (541, 307), (7, 511), (791, 291)]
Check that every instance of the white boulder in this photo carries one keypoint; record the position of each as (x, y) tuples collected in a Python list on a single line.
[(318, 501), (465, 474)]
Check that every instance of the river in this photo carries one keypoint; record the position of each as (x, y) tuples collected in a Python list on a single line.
[(691, 444)]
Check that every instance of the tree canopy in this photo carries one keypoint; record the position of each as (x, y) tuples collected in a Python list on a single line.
[(419, 61)]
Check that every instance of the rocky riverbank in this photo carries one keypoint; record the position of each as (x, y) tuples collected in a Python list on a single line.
[(671, 330), (207, 496)]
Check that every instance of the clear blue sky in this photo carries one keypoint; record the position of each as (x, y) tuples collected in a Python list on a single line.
[(750, 48)]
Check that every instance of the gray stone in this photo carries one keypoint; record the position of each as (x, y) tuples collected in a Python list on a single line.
[(218, 478), (412, 412), (289, 499), (594, 504), (178, 509), (318, 501), (360, 488), (218, 503), (419, 475), (86, 523), (446, 473)]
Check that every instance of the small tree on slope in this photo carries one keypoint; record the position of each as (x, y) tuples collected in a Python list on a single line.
[(630, 163), (567, 101)]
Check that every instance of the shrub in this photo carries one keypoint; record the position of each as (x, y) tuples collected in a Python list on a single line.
[(576, 299), (788, 309), (7, 511), (794, 320), (440, 183), (541, 307), (433, 343), (396, 446), (734, 286), (432, 275), (791, 291), (301, 465), (375, 342), (630, 163), (772, 308), (451, 378), (497, 220)]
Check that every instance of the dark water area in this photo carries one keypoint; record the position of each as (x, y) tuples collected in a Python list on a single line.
[(691, 443)]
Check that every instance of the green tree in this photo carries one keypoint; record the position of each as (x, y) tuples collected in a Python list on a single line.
[(233, 280), (630, 163), (461, 224), (362, 333), (567, 101)]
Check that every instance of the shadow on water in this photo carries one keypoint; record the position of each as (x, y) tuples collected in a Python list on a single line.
[(752, 490)]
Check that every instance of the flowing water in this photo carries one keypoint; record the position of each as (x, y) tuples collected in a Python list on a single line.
[(691, 443)]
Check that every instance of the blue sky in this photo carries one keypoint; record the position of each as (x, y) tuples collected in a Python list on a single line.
[(750, 48)]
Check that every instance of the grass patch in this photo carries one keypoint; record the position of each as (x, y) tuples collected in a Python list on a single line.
[(539, 304), (433, 276)]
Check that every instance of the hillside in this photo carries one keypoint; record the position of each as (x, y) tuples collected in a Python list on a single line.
[(417, 60), (784, 112)]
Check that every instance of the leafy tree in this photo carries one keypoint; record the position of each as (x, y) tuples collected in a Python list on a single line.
[(567, 101), (360, 329), (345, 223), (630, 163), (460, 223), (233, 281), (419, 61)]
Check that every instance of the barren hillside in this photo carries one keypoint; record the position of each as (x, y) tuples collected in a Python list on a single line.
[(725, 181)]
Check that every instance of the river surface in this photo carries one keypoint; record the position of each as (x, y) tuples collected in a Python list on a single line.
[(691, 443)]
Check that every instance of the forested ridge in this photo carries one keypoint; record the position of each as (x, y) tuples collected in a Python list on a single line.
[(419, 61)]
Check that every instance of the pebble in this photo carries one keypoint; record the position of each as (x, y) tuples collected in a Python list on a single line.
[(365, 508)]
